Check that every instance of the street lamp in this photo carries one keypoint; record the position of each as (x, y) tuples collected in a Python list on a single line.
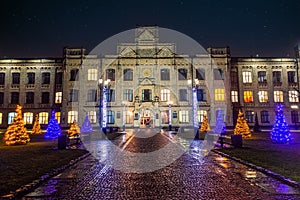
[(170, 103), (104, 86), (195, 84)]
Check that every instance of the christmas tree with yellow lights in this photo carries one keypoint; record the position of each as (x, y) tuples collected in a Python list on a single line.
[(205, 125), (241, 127), (36, 126), (16, 133), (74, 130)]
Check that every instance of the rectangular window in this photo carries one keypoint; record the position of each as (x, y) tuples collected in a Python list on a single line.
[(164, 117), (59, 78), (293, 96), (250, 116), (292, 77), (1, 118), (263, 96), (278, 96), (201, 114), (264, 115), (110, 117), (128, 75), (30, 78), (92, 95), (58, 97), (247, 77), (128, 95), (2, 78), (200, 74), (29, 98), (182, 74), (15, 78), (73, 95), (262, 76), (110, 95), (74, 75), (1, 97), (57, 117), (234, 96), (45, 97), (248, 96), (276, 77), (14, 98), (201, 95), (183, 96), (110, 74), (218, 74), (165, 95), (46, 78), (219, 94), (234, 78), (92, 116), (28, 117), (92, 74), (43, 118), (146, 95), (72, 116), (129, 117), (183, 116), (295, 116), (11, 117), (165, 74)]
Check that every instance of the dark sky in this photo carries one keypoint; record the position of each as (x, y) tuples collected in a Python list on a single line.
[(42, 28)]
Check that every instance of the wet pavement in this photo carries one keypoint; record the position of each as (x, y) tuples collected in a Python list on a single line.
[(191, 176)]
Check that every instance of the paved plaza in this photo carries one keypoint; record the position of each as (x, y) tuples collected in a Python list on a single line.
[(191, 176)]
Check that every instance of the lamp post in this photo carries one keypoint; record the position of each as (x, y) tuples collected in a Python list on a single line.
[(104, 85), (195, 84), (170, 103)]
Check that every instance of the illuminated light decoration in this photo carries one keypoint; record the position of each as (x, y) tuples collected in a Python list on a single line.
[(53, 129), (220, 127), (74, 130), (86, 126), (205, 125), (241, 127), (16, 133), (195, 108), (36, 126), (104, 109), (280, 132)]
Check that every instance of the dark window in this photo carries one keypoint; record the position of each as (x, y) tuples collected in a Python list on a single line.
[(182, 74), (234, 78), (128, 95), (218, 74), (276, 77), (1, 97), (58, 78), (46, 78), (92, 95), (73, 96), (165, 74), (201, 95), (261, 76), (15, 78), (183, 96), (128, 74), (14, 98), (74, 75), (110, 74), (146, 95), (29, 98), (2, 78), (264, 115), (295, 116), (250, 116), (45, 97), (292, 77), (110, 117), (200, 74), (30, 78), (110, 95)]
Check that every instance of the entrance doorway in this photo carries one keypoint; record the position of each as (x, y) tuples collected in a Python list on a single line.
[(146, 118)]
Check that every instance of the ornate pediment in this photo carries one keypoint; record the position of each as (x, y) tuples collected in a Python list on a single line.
[(146, 34), (165, 52), (127, 52), (146, 81)]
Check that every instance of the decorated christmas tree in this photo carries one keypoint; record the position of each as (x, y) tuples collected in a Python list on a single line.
[(220, 125), (86, 126), (53, 129), (205, 125), (280, 132), (36, 129), (74, 130), (16, 133), (241, 127)]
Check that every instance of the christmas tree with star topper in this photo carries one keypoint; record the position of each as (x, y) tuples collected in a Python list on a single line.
[(280, 132), (53, 129)]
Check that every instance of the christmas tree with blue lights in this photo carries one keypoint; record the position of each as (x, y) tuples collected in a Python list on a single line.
[(86, 126), (53, 129), (280, 132)]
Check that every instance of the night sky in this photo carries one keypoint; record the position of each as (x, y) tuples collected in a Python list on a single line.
[(39, 29)]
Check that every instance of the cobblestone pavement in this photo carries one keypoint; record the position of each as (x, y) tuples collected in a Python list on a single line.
[(189, 177)]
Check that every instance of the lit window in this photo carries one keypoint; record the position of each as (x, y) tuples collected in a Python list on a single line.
[(248, 96), (28, 118), (129, 117), (164, 117), (263, 96), (58, 97), (11, 117), (247, 77), (110, 117), (1, 118), (234, 96), (165, 95), (183, 116), (92, 74), (264, 115), (92, 116), (43, 118), (201, 114), (278, 96), (219, 94), (72, 116), (57, 117), (293, 96), (128, 95)]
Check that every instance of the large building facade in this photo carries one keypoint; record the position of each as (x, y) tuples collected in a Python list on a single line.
[(148, 84)]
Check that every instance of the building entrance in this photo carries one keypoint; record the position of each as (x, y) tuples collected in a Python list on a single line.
[(146, 118)]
